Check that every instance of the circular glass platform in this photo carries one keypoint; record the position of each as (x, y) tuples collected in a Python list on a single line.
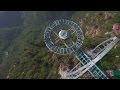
[(62, 36)]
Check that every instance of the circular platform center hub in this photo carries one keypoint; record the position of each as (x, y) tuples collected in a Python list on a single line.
[(63, 34)]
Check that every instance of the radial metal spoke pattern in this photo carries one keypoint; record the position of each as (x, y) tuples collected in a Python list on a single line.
[(68, 43)]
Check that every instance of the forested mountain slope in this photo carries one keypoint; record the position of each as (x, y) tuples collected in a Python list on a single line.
[(26, 49), (29, 57)]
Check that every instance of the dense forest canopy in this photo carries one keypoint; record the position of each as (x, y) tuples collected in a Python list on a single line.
[(26, 35)]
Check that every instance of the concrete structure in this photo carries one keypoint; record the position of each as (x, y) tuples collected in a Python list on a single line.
[(88, 64)]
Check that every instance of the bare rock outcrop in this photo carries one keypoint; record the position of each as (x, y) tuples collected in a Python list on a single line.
[(92, 31)]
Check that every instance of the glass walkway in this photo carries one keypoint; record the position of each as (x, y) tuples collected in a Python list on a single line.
[(95, 71)]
